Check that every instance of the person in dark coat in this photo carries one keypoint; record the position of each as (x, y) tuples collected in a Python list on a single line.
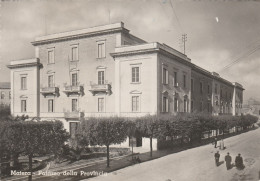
[(239, 162), (228, 160), (216, 141), (217, 155)]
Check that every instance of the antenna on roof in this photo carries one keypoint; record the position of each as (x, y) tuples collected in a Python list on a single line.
[(184, 39)]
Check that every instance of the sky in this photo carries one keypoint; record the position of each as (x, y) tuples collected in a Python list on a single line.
[(222, 36)]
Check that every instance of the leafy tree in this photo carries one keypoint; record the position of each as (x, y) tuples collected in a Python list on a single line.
[(147, 126), (32, 138), (104, 131)]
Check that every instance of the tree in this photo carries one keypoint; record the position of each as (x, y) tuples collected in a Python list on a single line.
[(131, 133), (104, 131), (30, 138), (147, 126)]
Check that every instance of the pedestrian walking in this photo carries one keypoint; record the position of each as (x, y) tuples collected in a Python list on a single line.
[(228, 160), (217, 155), (239, 161), (216, 141)]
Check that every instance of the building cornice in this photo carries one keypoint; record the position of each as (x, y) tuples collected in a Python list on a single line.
[(135, 52), (151, 48), (177, 58), (201, 70), (237, 85), (24, 63), (94, 31), (222, 80)]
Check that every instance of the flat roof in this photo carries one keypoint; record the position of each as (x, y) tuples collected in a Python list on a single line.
[(78, 33), (128, 49), (24, 63)]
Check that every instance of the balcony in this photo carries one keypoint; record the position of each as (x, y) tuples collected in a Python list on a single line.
[(100, 88), (71, 89), (73, 115), (45, 91)]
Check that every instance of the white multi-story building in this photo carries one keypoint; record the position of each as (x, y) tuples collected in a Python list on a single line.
[(106, 71)]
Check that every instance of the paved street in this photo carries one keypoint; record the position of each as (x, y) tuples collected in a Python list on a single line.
[(198, 164)]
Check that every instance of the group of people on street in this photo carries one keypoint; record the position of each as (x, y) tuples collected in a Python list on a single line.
[(228, 159)]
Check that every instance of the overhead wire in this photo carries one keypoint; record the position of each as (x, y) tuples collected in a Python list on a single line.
[(240, 58), (175, 14)]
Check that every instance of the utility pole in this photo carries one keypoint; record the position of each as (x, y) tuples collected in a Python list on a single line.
[(184, 39)]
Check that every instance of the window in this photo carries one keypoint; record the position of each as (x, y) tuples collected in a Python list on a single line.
[(135, 74), (2, 95), (50, 81), (135, 103), (185, 105), (201, 106), (50, 105), (208, 89), (176, 106), (74, 53), (175, 77), (101, 49), (51, 56), (23, 83), (23, 106), (74, 105), (165, 76), (221, 93), (191, 105), (184, 81), (201, 87), (230, 95), (74, 79), (209, 105), (192, 85), (73, 129), (9, 94), (165, 104), (101, 105), (216, 88), (101, 77)]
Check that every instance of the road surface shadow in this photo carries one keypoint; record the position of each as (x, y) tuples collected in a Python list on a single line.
[(242, 177), (220, 163)]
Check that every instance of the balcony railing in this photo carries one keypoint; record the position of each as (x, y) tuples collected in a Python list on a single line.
[(49, 91), (71, 89), (73, 115), (100, 88)]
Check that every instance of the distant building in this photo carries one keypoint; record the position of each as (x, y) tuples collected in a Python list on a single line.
[(5, 93), (106, 71), (253, 101)]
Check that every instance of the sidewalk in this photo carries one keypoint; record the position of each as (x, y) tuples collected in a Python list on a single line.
[(91, 169)]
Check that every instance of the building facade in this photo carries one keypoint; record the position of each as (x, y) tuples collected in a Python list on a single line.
[(5, 93), (106, 71)]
